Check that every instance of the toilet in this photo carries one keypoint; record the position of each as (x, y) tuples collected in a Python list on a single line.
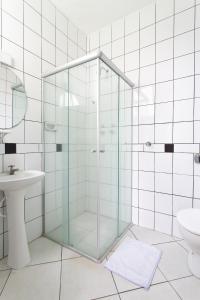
[(189, 224)]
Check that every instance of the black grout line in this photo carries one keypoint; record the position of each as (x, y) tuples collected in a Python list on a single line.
[(5, 282)]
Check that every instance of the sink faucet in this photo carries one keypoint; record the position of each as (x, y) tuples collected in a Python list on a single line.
[(12, 169)]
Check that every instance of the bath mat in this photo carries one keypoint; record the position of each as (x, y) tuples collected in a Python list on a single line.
[(135, 261)]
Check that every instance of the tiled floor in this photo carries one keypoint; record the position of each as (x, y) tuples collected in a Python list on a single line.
[(56, 273)]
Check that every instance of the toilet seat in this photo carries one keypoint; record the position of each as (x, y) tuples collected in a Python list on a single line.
[(190, 219)]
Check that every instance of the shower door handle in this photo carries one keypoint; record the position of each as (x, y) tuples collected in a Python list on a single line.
[(94, 151)]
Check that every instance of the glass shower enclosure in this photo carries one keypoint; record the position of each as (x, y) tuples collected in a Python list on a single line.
[(87, 116)]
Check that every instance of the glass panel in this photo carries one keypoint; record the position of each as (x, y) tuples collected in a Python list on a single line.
[(125, 160), (56, 156), (83, 158), (108, 181)]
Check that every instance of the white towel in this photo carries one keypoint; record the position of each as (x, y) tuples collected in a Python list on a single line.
[(135, 261)]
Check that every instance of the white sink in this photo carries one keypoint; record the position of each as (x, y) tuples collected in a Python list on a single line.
[(20, 180), (15, 187)]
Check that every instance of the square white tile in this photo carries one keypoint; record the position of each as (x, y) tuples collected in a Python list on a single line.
[(87, 274), (173, 262)]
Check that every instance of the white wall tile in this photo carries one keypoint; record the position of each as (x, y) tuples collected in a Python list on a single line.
[(184, 66), (32, 41), (146, 114), (147, 56), (36, 4), (182, 185), (132, 61), (164, 112), (146, 200), (184, 88), (163, 183), (163, 223), (146, 218), (34, 229), (132, 22), (14, 8), (105, 35), (183, 110), (12, 29), (163, 162), (61, 23), (32, 19), (147, 15), (147, 75), (164, 9), (163, 203), (48, 31), (146, 181), (146, 161), (180, 203), (183, 132), (118, 29), (184, 21), (183, 163), (164, 91), (163, 133), (32, 132), (184, 44), (33, 208), (132, 42), (164, 71), (15, 51), (32, 64), (164, 50), (147, 36), (146, 133), (118, 48), (48, 10), (164, 29), (181, 5)]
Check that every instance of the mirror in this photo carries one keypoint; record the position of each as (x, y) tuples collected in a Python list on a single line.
[(13, 100)]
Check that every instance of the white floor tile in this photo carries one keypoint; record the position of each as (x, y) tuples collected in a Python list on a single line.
[(173, 262), (3, 264), (151, 236), (3, 277), (67, 253), (115, 297), (35, 282), (187, 288), (44, 250), (184, 245), (157, 292), (83, 279), (125, 285)]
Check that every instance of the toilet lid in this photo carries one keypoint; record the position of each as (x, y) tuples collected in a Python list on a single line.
[(190, 219)]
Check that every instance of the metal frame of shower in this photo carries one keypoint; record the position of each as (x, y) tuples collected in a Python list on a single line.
[(99, 56)]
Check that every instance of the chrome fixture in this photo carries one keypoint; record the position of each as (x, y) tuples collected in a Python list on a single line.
[(148, 144), (197, 158), (12, 169)]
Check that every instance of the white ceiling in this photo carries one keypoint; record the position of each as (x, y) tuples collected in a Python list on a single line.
[(91, 15)]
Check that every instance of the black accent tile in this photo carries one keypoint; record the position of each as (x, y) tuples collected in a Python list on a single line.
[(58, 147), (169, 148), (10, 148)]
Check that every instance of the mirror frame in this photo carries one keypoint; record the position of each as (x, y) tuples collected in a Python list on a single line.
[(11, 68)]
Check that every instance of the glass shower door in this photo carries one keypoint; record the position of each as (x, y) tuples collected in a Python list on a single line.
[(83, 166), (55, 110), (108, 157)]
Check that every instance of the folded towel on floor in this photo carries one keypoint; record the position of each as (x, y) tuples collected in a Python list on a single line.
[(135, 261)]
